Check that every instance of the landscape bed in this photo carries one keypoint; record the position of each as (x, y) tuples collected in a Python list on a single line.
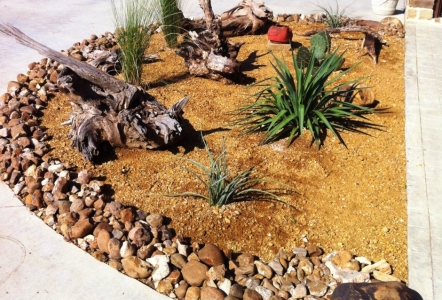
[(345, 197)]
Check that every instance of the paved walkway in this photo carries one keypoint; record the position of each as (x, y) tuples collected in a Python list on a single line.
[(423, 133), (35, 263)]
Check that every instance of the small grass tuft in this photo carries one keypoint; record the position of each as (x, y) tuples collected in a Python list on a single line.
[(334, 18), (223, 188), (132, 19)]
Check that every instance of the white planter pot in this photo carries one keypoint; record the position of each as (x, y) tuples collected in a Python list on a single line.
[(384, 7)]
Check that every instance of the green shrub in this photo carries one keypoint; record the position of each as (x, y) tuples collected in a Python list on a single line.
[(222, 187), (309, 99), (171, 19), (334, 18), (132, 19)]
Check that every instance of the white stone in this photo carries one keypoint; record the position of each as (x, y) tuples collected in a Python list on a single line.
[(182, 249), (384, 277), (158, 259), (30, 171), (363, 260), (265, 293), (161, 271), (343, 276), (225, 285), (56, 168), (18, 187), (371, 268)]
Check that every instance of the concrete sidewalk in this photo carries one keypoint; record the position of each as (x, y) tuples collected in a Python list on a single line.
[(36, 263), (423, 134)]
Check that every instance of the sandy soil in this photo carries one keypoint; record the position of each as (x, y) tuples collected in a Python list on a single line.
[(347, 198)]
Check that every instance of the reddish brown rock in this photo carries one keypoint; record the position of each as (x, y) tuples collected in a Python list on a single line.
[(85, 213), (127, 215), (84, 177), (174, 277), (341, 258), (193, 293), (211, 293), (53, 77), (34, 200), (145, 251), (103, 240), (178, 260), (22, 78), (154, 220), (77, 205), (164, 287), (135, 267), (63, 206), (19, 130), (113, 246), (245, 259), (13, 86), (81, 229), (181, 290), (114, 208), (251, 295), (374, 291), (139, 236), (211, 255), (194, 272)]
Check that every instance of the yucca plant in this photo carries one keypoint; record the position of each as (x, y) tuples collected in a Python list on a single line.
[(334, 18), (132, 19), (221, 186), (171, 19), (309, 99)]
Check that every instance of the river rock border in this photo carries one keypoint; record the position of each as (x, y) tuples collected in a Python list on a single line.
[(135, 242)]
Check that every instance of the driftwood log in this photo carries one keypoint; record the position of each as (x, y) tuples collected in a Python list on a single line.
[(107, 110), (248, 17), (209, 54)]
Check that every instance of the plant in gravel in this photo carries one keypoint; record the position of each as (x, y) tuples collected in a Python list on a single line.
[(171, 17), (223, 187), (132, 19), (334, 18), (309, 99)]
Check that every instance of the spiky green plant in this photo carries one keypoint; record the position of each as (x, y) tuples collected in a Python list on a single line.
[(334, 18), (309, 99), (171, 17), (132, 19), (221, 186)]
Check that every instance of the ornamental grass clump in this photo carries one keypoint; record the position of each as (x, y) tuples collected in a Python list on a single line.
[(221, 186), (171, 19), (334, 18), (132, 19), (308, 99)]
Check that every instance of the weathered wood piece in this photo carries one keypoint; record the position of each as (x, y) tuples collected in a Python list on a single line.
[(209, 54), (248, 17), (107, 110)]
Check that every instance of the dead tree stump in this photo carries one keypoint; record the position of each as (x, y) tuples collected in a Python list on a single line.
[(107, 110)]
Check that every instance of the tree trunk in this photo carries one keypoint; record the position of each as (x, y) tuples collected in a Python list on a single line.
[(247, 17), (107, 110)]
